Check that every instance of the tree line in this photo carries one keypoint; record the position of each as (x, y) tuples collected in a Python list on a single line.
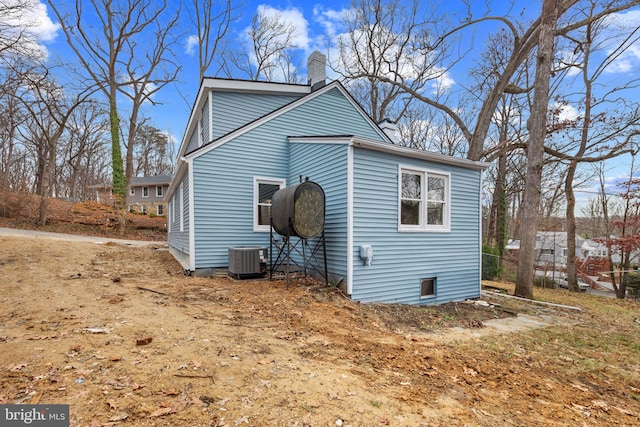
[(540, 95)]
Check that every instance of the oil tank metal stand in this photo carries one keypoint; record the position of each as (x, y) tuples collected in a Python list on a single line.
[(305, 249), (298, 212)]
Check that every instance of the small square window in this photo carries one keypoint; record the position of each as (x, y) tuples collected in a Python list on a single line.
[(428, 287)]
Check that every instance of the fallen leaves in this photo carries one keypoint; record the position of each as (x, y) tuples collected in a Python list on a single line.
[(144, 341), (170, 407)]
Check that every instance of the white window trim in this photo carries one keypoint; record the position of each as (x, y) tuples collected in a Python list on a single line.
[(132, 191), (143, 191), (169, 216), (257, 180), (159, 210), (435, 288), (446, 216), (159, 193), (181, 207), (173, 207)]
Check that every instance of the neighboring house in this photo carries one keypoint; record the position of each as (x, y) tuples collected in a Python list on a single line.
[(552, 249), (147, 194), (418, 211)]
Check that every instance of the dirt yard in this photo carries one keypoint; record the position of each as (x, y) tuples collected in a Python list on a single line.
[(119, 334)]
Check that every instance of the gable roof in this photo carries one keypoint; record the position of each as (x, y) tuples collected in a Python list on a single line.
[(248, 86), (275, 113), (234, 85), (150, 180)]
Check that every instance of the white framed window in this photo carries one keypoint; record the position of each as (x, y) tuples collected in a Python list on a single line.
[(132, 191), (263, 191), (145, 191), (424, 200), (144, 209), (159, 190), (159, 210)]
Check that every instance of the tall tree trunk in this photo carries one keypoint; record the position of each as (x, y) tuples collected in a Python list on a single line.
[(133, 128), (47, 174), (502, 211), (535, 150), (572, 278)]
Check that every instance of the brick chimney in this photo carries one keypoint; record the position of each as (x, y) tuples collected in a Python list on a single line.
[(317, 70)]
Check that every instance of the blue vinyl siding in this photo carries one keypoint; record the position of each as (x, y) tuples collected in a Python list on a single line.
[(401, 259), (233, 110), (326, 165), (224, 210), (179, 240), (205, 122), (193, 141)]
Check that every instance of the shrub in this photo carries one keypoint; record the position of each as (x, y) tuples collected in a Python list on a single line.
[(490, 262), (632, 282)]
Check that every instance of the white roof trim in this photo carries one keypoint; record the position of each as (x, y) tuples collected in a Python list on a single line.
[(252, 86), (338, 139), (417, 154)]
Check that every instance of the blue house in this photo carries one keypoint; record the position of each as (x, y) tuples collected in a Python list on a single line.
[(417, 211)]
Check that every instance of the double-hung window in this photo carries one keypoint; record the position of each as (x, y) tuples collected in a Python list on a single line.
[(425, 201), (145, 191), (263, 191), (159, 191)]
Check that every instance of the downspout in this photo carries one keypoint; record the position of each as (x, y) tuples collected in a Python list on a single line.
[(192, 232), (481, 172), (350, 218)]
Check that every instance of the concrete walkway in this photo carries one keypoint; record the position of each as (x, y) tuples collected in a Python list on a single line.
[(36, 234), (507, 325)]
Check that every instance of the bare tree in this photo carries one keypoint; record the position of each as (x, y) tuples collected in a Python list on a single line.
[(380, 40), (269, 50), (12, 116), (50, 107), (153, 154), (85, 150), (211, 19), (535, 148), (17, 37), (128, 45), (596, 134)]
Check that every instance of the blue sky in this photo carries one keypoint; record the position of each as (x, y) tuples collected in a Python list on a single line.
[(314, 21)]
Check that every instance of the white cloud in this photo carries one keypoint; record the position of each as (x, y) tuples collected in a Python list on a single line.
[(37, 22), (411, 65), (293, 17), (565, 112), (34, 23), (618, 27), (332, 21), (191, 44)]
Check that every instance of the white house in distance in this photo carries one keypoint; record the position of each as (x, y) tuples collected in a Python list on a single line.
[(418, 211), (552, 248)]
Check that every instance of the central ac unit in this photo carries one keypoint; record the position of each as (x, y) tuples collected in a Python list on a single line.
[(247, 261)]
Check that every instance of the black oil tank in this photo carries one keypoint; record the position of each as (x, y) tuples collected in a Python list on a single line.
[(298, 210)]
